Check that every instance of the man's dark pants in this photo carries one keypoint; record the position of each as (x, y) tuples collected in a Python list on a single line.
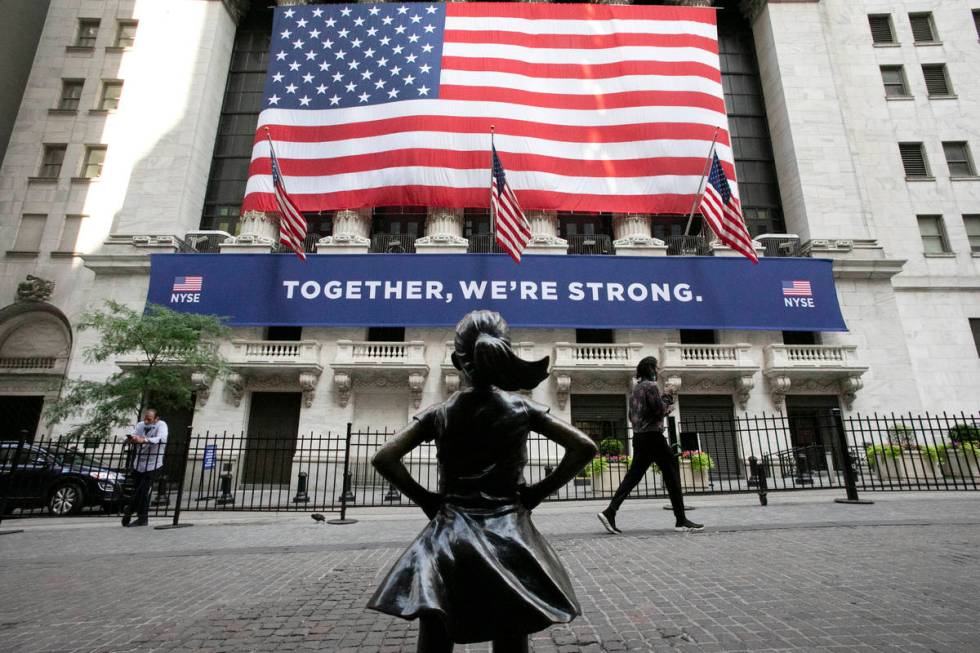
[(651, 447), (140, 503)]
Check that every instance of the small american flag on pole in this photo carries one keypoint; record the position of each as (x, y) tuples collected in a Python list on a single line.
[(723, 212), (292, 223), (510, 227)]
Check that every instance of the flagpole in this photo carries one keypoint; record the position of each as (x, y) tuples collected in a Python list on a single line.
[(704, 174), (493, 220)]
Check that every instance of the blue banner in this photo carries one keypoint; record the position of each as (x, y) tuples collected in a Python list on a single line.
[(436, 290), (210, 454)]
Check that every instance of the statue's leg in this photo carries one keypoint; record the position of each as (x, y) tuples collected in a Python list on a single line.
[(517, 644), (433, 637)]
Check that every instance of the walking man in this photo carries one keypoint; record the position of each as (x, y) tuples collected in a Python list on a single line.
[(648, 407), (150, 439)]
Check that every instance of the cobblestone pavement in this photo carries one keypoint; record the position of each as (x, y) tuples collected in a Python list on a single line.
[(801, 574)]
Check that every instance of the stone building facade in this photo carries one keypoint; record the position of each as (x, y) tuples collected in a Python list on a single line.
[(854, 129)]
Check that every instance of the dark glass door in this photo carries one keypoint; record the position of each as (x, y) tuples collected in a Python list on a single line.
[(273, 423)]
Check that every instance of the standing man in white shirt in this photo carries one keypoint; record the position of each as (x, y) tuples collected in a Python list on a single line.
[(150, 439)]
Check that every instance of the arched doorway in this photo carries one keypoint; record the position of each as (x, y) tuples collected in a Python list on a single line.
[(35, 343)]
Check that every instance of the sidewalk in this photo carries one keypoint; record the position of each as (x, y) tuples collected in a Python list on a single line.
[(803, 573)]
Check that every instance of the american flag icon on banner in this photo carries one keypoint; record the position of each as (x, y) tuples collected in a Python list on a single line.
[(188, 284), (797, 289)]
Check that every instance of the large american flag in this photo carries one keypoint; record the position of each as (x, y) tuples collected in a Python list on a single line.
[(596, 107), (723, 212), (511, 229)]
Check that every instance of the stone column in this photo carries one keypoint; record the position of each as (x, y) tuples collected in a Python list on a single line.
[(632, 236), (351, 233), (544, 233), (258, 232), (443, 233)]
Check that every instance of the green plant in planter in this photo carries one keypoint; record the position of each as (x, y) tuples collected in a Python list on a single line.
[(595, 468), (873, 452), (699, 460), (901, 434), (965, 433), (929, 450), (610, 447)]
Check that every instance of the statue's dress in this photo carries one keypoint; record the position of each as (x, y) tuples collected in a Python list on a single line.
[(480, 564)]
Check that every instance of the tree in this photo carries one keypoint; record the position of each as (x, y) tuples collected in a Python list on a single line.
[(168, 345)]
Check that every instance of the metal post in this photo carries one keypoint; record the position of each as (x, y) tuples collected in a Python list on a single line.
[(301, 494), (850, 482), (758, 479), (180, 487), (343, 497), (10, 483), (803, 475), (392, 494), (226, 496), (675, 444)]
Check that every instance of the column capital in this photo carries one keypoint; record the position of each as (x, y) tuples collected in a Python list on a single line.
[(443, 232), (351, 228), (544, 233), (258, 232)]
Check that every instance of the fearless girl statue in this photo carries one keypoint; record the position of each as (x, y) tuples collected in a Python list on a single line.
[(480, 570)]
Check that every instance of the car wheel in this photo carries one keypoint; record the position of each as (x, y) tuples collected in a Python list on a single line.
[(66, 499)]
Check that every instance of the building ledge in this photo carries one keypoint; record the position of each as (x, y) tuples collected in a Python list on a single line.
[(83, 180), (593, 366), (42, 180), (365, 363), (62, 112), (80, 49), (813, 368), (23, 253)]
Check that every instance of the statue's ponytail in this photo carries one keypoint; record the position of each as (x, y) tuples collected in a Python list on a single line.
[(484, 353)]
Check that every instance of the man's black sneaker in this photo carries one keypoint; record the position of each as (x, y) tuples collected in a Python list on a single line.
[(126, 519), (608, 521), (688, 525), (139, 522)]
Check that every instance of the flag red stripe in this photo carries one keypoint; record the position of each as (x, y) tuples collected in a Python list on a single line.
[(451, 124), (581, 41), (650, 167), (412, 195), (685, 99), (581, 71), (574, 12), (725, 225)]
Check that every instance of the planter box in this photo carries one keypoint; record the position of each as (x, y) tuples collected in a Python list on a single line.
[(610, 478), (961, 464), (912, 466), (693, 480)]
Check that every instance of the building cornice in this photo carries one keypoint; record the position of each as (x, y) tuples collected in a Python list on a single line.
[(752, 8)]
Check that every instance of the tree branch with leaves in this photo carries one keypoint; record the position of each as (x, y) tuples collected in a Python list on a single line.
[(167, 347)]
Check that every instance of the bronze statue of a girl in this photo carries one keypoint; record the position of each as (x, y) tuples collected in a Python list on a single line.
[(480, 570)]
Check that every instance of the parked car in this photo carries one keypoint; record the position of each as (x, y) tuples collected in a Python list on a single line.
[(60, 478)]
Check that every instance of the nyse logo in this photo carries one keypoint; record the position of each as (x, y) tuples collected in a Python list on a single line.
[(797, 294), (186, 290)]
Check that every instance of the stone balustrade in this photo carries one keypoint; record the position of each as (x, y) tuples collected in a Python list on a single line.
[(400, 362), (710, 368), (813, 368)]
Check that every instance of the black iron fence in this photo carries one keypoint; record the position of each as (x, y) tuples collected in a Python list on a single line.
[(324, 472)]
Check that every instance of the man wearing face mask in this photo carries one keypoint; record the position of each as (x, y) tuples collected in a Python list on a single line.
[(648, 408)]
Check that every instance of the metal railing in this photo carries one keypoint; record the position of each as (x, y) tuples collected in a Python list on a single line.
[(593, 245), (392, 244), (780, 245), (205, 241), (687, 246), (483, 244), (27, 363), (317, 472)]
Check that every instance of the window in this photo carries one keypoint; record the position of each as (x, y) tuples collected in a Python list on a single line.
[(933, 235), (937, 81), (894, 79), (972, 224), (386, 334), (111, 90), (801, 338), (595, 336), (284, 333), (94, 157), (69, 233), (923, 29), (698, 337), (975, 328), (88, 29), (914, 160), (71, 92), (29, 233), (958, 160), (125, 33), (54, 156), (881, 29)]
